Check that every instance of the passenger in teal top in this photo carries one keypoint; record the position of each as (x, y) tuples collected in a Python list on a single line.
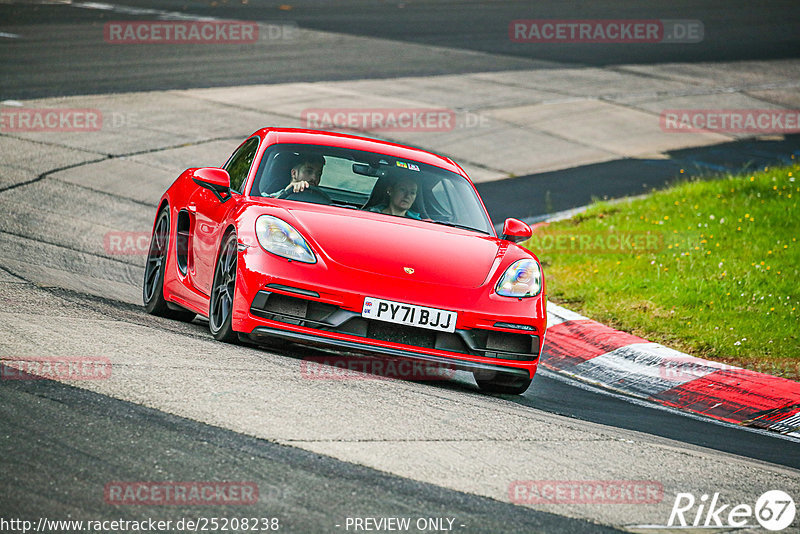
[(400, 197)]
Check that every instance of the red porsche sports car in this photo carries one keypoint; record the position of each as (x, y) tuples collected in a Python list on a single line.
[(353, 244)]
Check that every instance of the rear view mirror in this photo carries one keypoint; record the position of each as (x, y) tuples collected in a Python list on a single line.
[(366, 169)]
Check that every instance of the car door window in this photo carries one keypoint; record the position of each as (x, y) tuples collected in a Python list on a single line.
[(239, 164)]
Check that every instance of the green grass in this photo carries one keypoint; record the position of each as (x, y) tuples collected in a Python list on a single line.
[(720, 276)]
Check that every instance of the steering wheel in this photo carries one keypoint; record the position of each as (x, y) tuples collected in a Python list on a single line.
[(311, 194)]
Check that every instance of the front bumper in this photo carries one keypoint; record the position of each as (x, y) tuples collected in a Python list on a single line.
[(261, 332), (302, 319), (492, 333)]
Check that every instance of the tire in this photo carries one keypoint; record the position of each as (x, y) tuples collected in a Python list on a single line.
[(153, 283), (496, 382), (220, 309)]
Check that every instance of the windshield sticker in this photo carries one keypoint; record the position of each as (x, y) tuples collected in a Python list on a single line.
[(409, 166)]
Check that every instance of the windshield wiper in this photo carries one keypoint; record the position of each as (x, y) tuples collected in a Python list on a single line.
[(456, 225)]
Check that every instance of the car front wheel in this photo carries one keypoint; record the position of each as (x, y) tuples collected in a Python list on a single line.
[(220, 313)]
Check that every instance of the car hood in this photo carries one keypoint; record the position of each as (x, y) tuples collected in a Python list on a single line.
[(392, 246)]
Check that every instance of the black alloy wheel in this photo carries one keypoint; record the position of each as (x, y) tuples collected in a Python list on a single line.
[(220, 311), (153, 284)]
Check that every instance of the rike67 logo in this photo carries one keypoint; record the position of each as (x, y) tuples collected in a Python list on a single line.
[(774, 510)]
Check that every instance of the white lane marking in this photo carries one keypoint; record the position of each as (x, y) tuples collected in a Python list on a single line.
[(556, 314), (7, 35), (646, 369), (14, 103), (127, 10), (94, 5)]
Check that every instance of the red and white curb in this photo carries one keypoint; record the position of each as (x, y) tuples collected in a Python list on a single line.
[(597, 354)]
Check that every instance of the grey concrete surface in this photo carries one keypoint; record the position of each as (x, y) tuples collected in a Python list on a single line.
[(540, 120)]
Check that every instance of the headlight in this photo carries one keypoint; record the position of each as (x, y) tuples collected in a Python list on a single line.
[(281, 239), (523, 278)]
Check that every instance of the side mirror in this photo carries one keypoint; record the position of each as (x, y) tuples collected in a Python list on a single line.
[(516, 231), (217, 180)]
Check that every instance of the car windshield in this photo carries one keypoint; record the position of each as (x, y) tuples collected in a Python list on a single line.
[(353, 179)]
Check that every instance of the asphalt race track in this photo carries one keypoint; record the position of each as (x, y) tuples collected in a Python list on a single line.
[(180, 407), (54, 53)]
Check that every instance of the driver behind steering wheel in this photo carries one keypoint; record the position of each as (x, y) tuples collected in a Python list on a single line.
[(306, 175)]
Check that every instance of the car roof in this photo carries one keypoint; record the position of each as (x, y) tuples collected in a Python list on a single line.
[(316, 137)]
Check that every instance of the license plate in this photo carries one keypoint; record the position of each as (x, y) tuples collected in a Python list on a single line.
[(409, 314)]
